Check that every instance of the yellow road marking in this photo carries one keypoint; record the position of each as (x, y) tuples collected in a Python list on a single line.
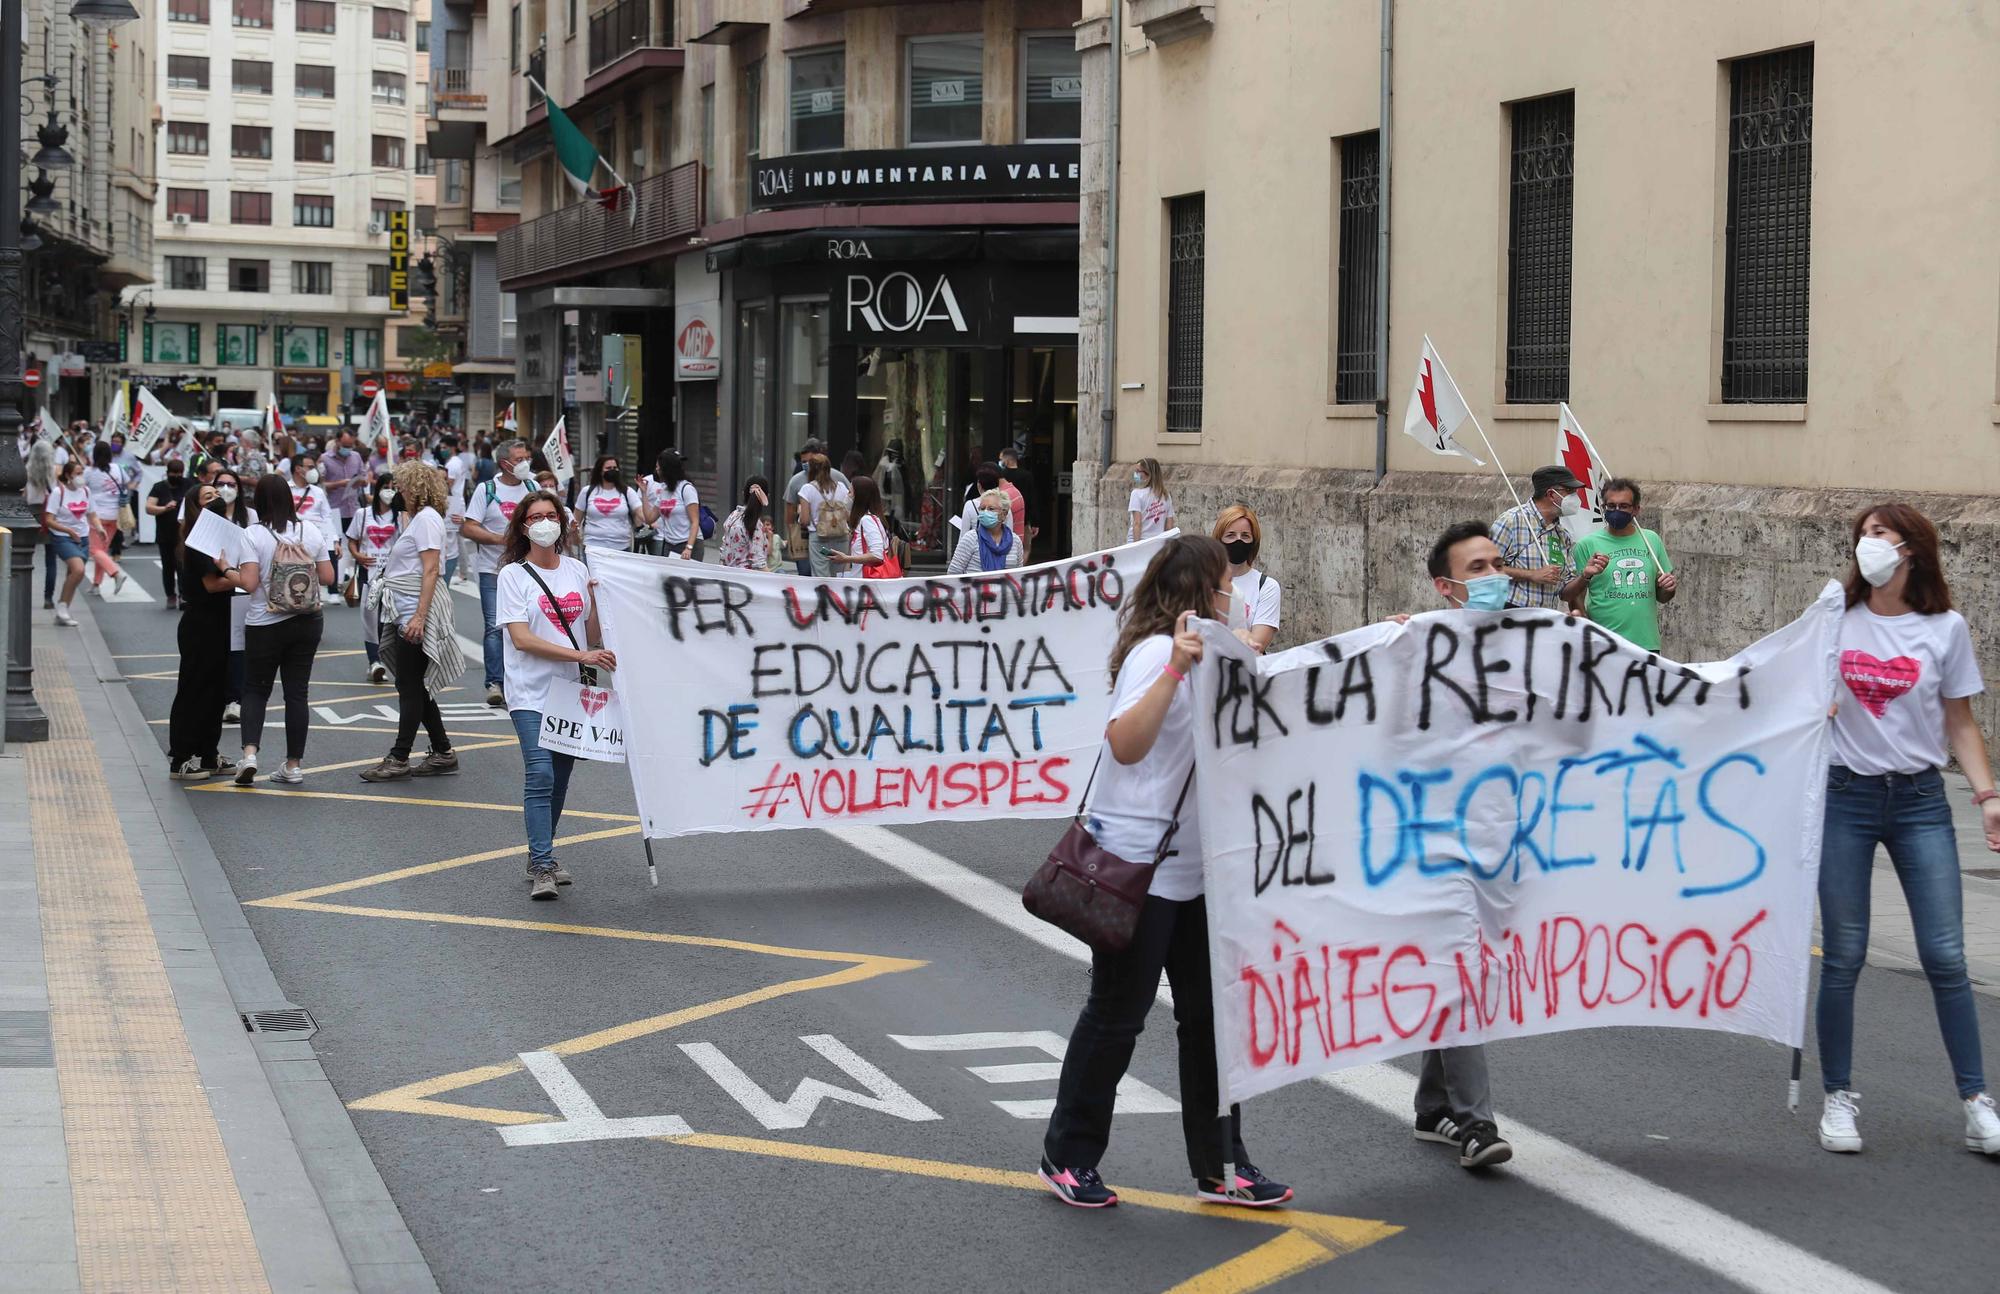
[(370, 763), (1286, 1254), (230, 788), (298, 898)]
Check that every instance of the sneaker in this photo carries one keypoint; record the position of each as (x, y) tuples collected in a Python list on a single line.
[(436, 765), (378, 673), (287, 776), (246, 772), (1982, 1126), (494, 696), (188, 770), (1483, 1146), (222, 767), (118, 582), (1837, 1129), (233, 712), (1441, 1128), (545, 886), (173, 604), (1081, 1187), (562, 875), (1253, 1190), (390, 769), (97, 590), (48, 604), (63, 617)]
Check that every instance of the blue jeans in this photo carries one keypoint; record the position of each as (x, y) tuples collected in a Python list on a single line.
[(489, 606), (1907, 812), (543, 790)]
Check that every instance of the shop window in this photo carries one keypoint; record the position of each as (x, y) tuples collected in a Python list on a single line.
[(753, 392), (803, 412), (817, 101), (1187, 221), (300, 347), (236, 345), (1052, 89), (945, 89)]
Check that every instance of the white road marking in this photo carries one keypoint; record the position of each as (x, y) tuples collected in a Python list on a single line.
[(581, 1119), (1134, 1097), (1683, 1227), (797, 1111)]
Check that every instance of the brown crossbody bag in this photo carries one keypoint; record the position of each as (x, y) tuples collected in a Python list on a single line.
[(1091, 892)]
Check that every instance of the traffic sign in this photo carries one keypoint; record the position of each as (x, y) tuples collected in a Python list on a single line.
[(369, 388), (32, 378)]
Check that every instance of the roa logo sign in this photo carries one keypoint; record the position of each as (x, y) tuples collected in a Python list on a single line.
[(899, 303)]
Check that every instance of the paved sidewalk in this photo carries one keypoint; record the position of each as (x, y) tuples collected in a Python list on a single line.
[(151, 1141)]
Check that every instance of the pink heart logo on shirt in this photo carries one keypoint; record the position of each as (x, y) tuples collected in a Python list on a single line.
[(379, 536), (571, 605), (592, 699), (1875, 683), (607, 506), (78, 509), (507, 509), (303, 502)]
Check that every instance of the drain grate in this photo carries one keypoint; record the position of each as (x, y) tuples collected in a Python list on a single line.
[(295, 1022)]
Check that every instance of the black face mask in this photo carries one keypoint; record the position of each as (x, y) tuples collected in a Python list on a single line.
[(1240, 550)]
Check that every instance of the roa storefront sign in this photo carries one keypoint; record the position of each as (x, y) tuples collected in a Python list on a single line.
[(974, 173), (902, 302)]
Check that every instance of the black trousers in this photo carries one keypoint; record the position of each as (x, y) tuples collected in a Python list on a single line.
[(1172, 935), (194, 727), (286, 647), (170, 563), (414, 702)]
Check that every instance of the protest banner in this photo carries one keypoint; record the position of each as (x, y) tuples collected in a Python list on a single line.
[(116, 423), (150, 421), (584, 720), (1487, 825), (758, 701), (555, 451)]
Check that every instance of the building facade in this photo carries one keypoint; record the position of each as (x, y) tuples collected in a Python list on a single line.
[(850, 222), (1727, 234), (286, 154), (87, 230)]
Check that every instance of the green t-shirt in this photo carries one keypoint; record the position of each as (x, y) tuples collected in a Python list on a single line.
[(1622, 598)]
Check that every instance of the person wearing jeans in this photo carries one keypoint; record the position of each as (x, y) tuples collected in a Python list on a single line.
[(1902, 706), (277, 643)]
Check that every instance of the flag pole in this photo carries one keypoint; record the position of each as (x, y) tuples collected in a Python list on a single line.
[(1658, 565), (1505, 479)]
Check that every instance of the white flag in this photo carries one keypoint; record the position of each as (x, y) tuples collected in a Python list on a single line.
[(556, 450), (47, 432), (1436, 409), (507, 418), (150, 421), (1574, 451), (376, 424), (116, 423)]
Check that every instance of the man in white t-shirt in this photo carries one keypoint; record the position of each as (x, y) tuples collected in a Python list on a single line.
[(456, 468), (485, 525)]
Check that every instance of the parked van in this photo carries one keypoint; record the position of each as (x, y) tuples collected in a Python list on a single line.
[(237, 420)]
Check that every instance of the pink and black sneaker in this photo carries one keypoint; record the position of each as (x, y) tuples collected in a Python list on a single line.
[(1081, 1187), (1253, 1190)]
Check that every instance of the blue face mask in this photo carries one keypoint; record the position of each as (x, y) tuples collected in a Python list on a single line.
[(1486, 592), (1617, 518), (1138, 478), (988, 518)]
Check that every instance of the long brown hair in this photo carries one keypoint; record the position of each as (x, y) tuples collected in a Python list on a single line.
[(1185, 576), (867, 501), (514, 544), (1926, 591)]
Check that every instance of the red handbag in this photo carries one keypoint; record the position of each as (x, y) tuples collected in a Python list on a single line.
[(1090, 892), (889, 569)]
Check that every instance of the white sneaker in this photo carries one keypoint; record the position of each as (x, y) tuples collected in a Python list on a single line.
[(1982, 1126), (286, 776), (232, 713), (378, 673), (1837, 1130), (118, 582), (63, 617)]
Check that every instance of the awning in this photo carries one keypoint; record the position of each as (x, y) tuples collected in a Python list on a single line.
[(853, 245)]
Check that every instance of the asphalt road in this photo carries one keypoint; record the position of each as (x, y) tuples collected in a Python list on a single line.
[(804, 1004)]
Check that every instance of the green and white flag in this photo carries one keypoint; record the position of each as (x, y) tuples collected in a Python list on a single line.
[(580, 159)]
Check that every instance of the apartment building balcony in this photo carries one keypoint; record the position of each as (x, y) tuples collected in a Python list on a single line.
[(630, 45), (456, 122), (584, 238)]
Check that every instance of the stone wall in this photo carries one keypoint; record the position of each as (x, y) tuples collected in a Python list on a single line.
[(1750, 558)]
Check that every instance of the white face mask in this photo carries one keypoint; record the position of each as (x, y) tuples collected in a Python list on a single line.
[(1569, 506), (1878, 560), (312, 476), (385, 496), (227, 493), (544, 533)]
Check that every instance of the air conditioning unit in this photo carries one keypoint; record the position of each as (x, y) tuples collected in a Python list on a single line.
[(182, 220), (376, 224)]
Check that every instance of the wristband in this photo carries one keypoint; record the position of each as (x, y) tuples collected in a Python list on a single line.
[(1178, 677), (1981, 797)]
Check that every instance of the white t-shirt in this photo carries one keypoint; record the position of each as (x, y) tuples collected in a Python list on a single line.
[(456, 469), (810, 495), (521, 601), (1256, 601), (263, 545), (1132, 805), (309, 501), (1896, 673), (870, 538), (425, 530), (71, 504), (607, 516), (492, 514), (374, 532), (105, 492), (1156, 515), (677, 508)]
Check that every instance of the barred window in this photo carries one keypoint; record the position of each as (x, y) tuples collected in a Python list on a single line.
[(1540, 242), (1360, 232), (1186, 223), (1768, 242)]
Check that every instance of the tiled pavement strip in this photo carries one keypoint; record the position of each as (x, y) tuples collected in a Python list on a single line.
[(146, 1144)]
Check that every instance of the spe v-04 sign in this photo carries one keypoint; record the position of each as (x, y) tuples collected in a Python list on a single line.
[(584, 720)]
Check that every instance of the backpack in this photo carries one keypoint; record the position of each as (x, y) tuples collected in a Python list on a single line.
[(707, 522), (291, 586), (830, 522)]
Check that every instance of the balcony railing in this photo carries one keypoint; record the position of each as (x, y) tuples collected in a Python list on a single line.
[(666, 207), (451, 88), (626, 26)]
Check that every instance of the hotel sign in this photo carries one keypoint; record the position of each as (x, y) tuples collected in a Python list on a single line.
[(399, 261), (953, 173)]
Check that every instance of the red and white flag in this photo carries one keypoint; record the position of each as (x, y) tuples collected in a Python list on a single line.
[(556, 450), (1574, 451), (150, 421), (1437, 410), (376, 425)]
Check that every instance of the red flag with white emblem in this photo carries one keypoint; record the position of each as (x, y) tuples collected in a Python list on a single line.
[(1437, 411), (1574, 451)]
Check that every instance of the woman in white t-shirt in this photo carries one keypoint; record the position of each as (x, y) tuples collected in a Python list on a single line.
[(608, 509), (1151, 506), (41, 459), (546, 607), (278, 643), (107, 491), (410, 580), (868, 547), (369, 535), (1253, 612), (825, 503), (674, 507), (1903, 706), (66, 516), (234, 498), (1140, 805), (309, 497)]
